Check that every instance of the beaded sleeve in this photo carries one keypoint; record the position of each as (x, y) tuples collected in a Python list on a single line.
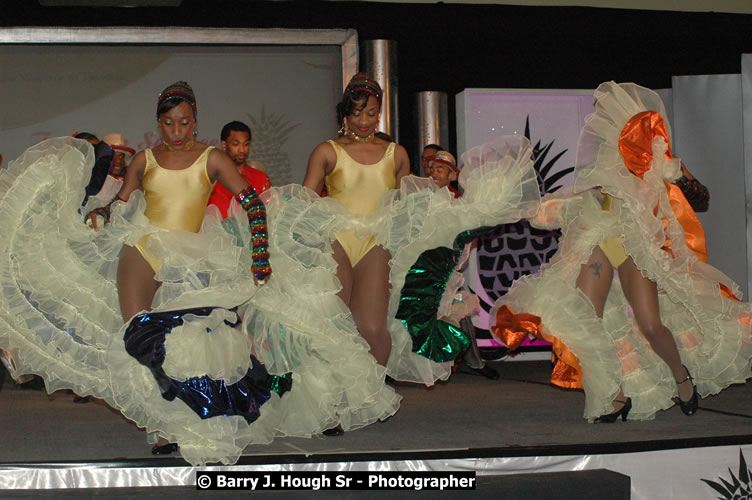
[(697, 195), (256, 211)]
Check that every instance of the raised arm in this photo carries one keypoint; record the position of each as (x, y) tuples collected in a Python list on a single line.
[(221, 168)]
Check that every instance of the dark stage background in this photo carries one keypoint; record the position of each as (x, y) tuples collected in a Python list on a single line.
[(450, 47)]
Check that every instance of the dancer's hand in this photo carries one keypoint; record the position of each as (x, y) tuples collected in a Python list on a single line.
[(91, 217), (258, 282)]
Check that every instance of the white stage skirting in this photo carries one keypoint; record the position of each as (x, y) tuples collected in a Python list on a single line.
[(673, 473)]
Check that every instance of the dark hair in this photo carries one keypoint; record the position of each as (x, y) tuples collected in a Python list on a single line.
[(433, 146), (384, 136), (167, 105), (352, 102), (173, 94), (235, 126), (86, 136)]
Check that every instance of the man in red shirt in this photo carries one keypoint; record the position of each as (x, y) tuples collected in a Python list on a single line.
[(236, 141)]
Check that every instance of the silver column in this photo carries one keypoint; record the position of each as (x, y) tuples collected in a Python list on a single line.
[(433, 119), (379, 61)]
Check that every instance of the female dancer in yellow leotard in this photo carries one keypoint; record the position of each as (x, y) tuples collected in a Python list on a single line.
[(358, 168), (177, 178)]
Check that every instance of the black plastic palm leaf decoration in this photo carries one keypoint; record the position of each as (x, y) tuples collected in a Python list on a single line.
[(542, 168), (738, 487)]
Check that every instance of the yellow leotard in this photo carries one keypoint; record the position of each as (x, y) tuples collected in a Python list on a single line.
[(360, 187), (175, 199), (613, 247)]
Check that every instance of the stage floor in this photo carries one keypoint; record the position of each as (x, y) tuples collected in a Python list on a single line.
[(469, 416)]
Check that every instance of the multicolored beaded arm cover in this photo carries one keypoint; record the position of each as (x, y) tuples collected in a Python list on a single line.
[(256, 211), (697, 195)]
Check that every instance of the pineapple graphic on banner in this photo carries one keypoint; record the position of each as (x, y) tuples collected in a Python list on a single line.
[(270, 134), (514, 250)]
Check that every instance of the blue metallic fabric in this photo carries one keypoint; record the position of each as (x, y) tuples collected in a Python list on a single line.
[(144, 340)]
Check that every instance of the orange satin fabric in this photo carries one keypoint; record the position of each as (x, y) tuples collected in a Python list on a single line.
[(636, 141), (635, 146), (512, 329), (636, 149), (694, 234)]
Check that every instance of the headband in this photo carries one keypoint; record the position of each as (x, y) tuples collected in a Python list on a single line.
[(363, 82), (181, 91)]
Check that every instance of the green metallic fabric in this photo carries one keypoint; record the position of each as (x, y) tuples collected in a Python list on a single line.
[(280, 383), (420, 298)]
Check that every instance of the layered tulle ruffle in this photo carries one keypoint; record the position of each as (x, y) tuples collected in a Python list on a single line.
[(713, 333), (61, 319), (60, 315)]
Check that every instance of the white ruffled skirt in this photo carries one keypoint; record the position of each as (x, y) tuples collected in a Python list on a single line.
[(713, 332), (60, 318)]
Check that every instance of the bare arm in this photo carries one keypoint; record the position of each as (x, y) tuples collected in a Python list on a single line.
[(401, 163), (320, 163), (133, 175), (685, 171), (221, 168)]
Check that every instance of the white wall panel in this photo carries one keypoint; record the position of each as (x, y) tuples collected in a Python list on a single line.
[(287, 94), (708, 137)]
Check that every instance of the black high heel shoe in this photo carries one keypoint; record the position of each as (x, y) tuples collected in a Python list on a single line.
[(610, 418), (689, 408), (165, 449), (334, 431)]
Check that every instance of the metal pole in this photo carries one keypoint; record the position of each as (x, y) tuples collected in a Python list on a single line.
[(379, 61), (433, 118)]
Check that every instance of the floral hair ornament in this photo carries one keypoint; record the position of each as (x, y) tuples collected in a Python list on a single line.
[(181, 91), (362, 82)]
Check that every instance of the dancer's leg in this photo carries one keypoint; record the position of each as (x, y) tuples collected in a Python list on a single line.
[(136, 288), (642, 295), (344, 272), (135, 283), (369, 301), (595, 279)]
